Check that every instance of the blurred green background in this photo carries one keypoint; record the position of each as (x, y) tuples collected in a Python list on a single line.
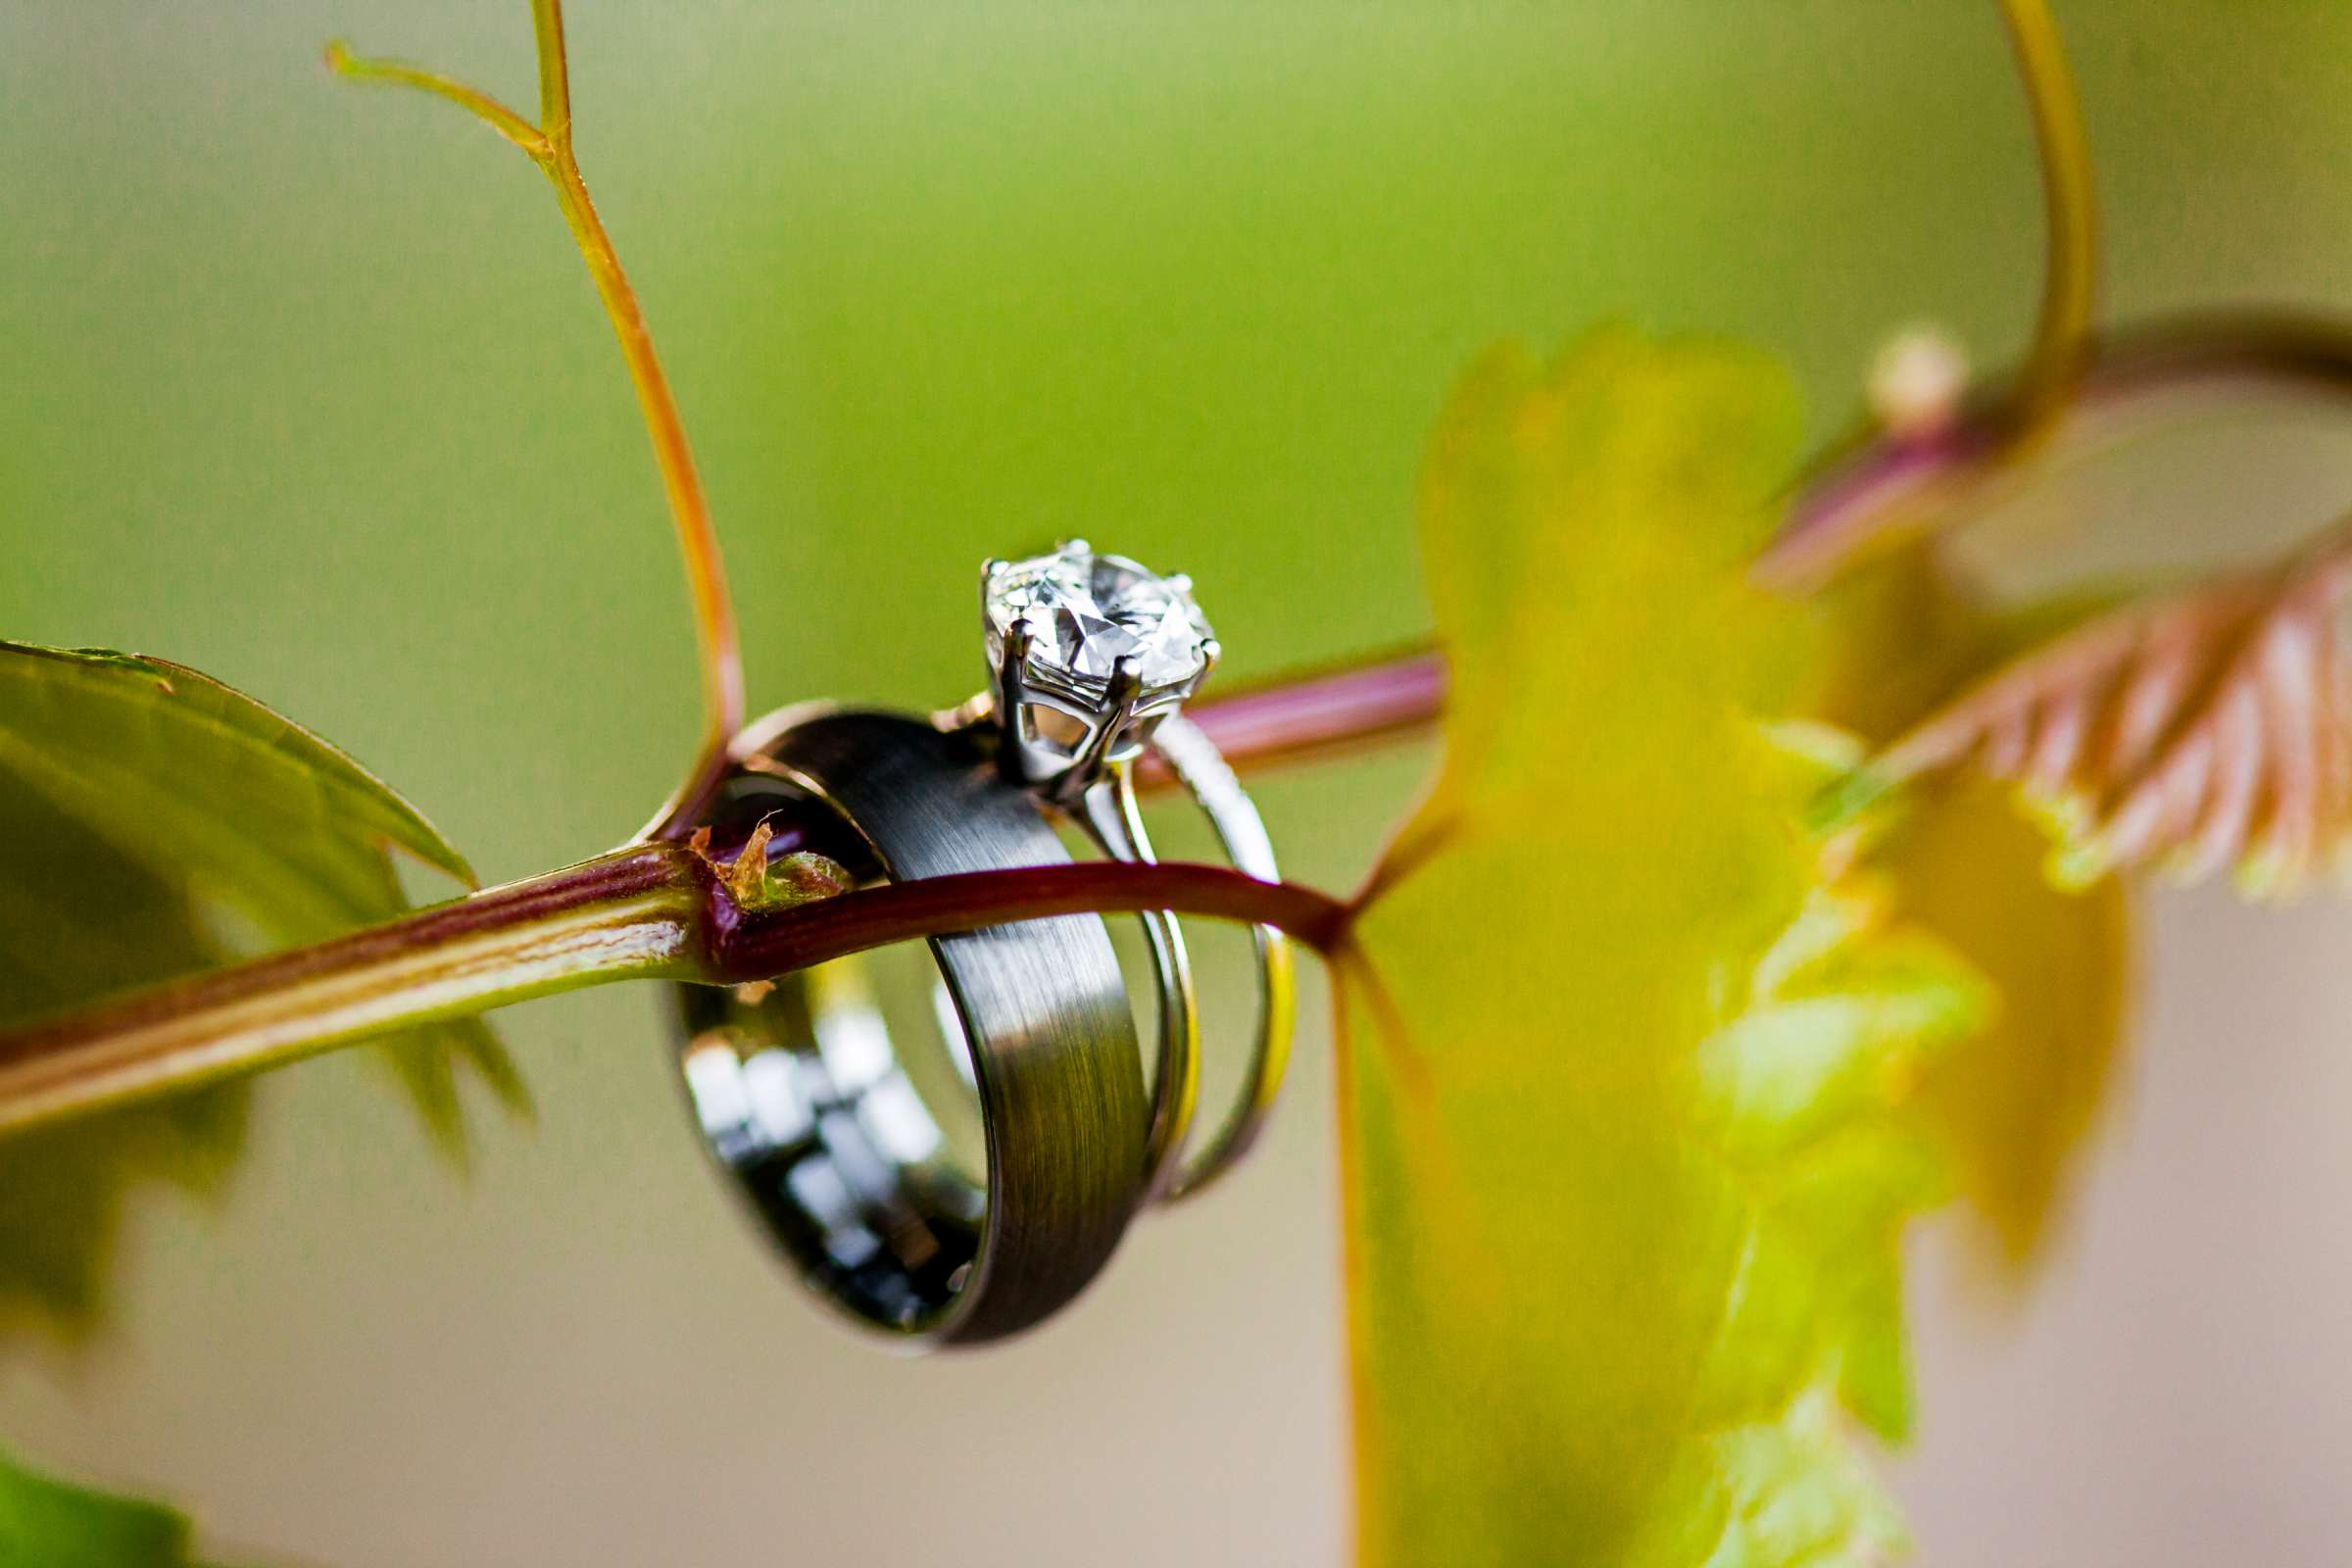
[(303, 385)]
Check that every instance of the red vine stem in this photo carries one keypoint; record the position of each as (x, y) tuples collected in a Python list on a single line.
[(1318, 714), (635, 913), (1877, 489), (644, 911), (755, 947)]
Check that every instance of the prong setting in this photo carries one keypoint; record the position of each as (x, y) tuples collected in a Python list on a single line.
[(1012, 693), (1097, 640), (1210, 651)]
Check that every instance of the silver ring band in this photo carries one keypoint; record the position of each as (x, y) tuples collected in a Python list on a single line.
[(1242, 834), (1108, 813)]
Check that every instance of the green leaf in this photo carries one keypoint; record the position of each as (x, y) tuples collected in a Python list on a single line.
[(123, 732), (161, 823), (1630, 1123), (55, 1525), (79, 917)]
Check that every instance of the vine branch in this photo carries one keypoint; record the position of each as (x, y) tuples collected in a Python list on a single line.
[(643, 911), (1876, 488), (1910, 475)]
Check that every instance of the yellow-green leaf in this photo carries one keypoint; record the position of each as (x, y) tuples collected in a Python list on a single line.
[(2017, 1106), (157, 823), (1628, 1120)]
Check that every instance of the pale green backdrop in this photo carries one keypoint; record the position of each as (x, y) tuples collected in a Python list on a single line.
[(301, 383)]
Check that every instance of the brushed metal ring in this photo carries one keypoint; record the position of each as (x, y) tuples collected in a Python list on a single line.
[(801, 1096)]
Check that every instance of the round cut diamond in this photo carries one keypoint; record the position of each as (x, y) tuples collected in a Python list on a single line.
[(1086, 612)]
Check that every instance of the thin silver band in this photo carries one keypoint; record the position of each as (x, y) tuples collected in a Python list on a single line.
[(1108, 813), (1242, 834)]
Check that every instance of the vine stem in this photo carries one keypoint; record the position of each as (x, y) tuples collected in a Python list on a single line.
[(2069, 278), (1876, 490), (1912, 474), (549, 145), (635, 913), (643, 911), (1315, 715)]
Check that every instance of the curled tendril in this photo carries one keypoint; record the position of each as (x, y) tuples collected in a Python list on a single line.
[(548, 144)]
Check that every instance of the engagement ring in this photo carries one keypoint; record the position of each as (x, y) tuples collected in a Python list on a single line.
[(1090, 658)]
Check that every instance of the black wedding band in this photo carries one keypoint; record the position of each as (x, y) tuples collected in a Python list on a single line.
[(809, 1111)]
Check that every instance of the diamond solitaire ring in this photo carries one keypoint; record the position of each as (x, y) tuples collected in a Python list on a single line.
[(1090, 658)]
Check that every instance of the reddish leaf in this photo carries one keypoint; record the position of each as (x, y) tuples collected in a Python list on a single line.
[(2188, 730)]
